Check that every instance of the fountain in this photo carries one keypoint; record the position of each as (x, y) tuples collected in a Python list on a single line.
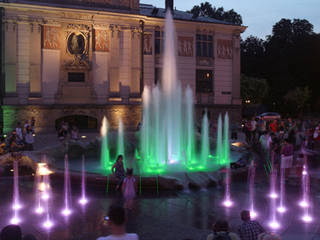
[(48, 223), (105, 160), (226, 160), (274, 224), (83, 200), (205, 141), (282, 208), (219, 148), (16, 203), (120, 145), (191, 162), (305, 202), (251, 176), (67, 188)]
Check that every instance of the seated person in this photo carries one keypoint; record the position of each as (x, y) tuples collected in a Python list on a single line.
[(117, 223), (221, 231)]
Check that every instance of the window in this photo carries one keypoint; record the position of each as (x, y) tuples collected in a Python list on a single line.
[(157, 76), (204, 81), (76, 77), (204, 45), (158, 42)]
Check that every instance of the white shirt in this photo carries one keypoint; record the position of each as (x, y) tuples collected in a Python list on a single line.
[(127, 236)]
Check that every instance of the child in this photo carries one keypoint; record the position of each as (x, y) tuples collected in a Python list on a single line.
[(129, 189)]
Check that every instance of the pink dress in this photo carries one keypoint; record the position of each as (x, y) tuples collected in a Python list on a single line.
[(129, 190)]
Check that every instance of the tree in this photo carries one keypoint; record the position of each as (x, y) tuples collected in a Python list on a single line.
[(298, 99), (253, 56), (254, 89), (206, 10)]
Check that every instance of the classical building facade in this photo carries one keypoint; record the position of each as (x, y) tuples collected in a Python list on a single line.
[(82, 59)]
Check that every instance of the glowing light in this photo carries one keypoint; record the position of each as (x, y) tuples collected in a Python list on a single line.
[(16, 206), (4, 135), (253, 214), (281, 209), (274, 225), (304, 204), (236, 144), (43, 169), (45, 196), (15, 220), (11, 170), (83, 201), (48, 224), (273, 195), (83, 137), (66, 212), (227, 203), (39, 210), (304, 172), (307, 218), (33, 135)]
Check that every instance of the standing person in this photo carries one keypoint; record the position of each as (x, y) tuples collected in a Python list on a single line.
[(33, 123), (249, 230), (273, 126), (286, 156), (129, 189), (29, 139), (19, 132), (253, 129), (74, 133), (221, 231), (26, 124), (118, 170), (117, 223)]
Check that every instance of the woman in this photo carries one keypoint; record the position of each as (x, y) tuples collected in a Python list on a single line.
[(118, 170), (286, 157)]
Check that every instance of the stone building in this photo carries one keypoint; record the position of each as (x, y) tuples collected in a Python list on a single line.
[(79, 60)]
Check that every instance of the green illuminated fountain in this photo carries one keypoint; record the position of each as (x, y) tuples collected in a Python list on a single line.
[(205, 141), (105, 160), (219, 149), (120, 145)]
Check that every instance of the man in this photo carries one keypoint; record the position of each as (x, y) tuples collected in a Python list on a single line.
[(249, 230), (117, 223)]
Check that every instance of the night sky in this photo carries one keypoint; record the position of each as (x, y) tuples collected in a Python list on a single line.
[(259, 15)]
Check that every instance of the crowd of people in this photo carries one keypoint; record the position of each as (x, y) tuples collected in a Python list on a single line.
[(117, 217), (20, 139), (65, 132)]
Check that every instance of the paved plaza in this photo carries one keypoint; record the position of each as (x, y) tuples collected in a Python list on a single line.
[(187, 214)]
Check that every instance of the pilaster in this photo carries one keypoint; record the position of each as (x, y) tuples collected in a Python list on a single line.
[(23, 61)]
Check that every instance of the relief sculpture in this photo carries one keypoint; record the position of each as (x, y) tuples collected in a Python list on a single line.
[(101, 40), (51, 37), (147, 44), (185, 46), (224, 49)]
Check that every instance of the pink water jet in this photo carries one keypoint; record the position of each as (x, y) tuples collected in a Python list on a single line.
[(282, 208), (83, 200), (305, 202), (274, 224), (67, 188), (251, 176), (16, 205)]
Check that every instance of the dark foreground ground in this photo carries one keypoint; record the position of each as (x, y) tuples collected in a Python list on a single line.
[(180, 215)]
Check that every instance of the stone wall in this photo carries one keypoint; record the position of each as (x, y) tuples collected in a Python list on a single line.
[(131, 115), (46, 116)]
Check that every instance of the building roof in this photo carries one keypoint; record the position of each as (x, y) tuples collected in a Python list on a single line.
[(145, 9), (151, 11)]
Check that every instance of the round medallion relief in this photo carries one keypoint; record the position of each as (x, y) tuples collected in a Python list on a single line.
[(76, 43)]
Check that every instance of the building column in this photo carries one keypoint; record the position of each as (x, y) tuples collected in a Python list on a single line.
[(23, 62), (236, 97), (125, 64), (114, 61)]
